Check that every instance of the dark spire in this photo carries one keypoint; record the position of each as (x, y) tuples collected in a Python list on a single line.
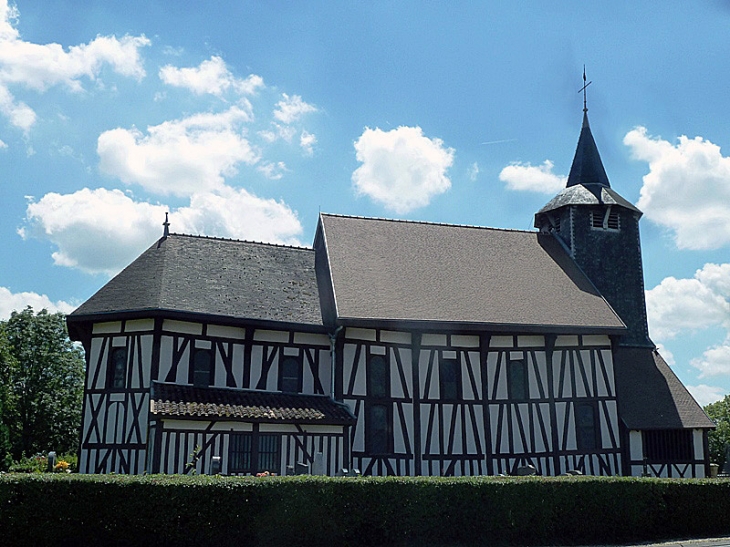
[(587, 166), (166, 224)]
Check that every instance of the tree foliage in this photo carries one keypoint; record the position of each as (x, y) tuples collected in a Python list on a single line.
[(43, 377), (719, 439)]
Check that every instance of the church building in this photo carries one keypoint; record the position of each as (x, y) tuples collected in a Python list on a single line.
[(392, 347)]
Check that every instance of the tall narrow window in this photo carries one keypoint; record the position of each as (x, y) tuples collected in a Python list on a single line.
[(449, 379), (117, 376), (517, 380), (290, 374), (378, 431), (585, 427), (202, 367), (378, 377), (239, 453), (269, 453)]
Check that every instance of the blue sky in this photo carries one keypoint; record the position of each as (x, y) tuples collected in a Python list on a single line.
[(245, 119)]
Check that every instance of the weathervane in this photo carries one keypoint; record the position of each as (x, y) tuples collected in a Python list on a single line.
[(583, 89)]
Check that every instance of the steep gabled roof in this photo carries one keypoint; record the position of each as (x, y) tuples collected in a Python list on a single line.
[(650, 396), (474, 277), (220, 277)]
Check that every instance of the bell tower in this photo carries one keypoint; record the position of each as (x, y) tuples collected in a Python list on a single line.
[(600, 230)]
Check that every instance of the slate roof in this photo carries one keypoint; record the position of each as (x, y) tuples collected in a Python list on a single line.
[(650, 396), (180, 401), (586, 194), (587, 166), (463, 275), (221, 277)]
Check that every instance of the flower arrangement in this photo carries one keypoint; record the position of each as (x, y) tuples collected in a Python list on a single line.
[(62, 466), (266, 474)]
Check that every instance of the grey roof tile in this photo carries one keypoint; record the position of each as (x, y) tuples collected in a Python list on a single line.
[(221, 277), (416, 271), (650, 396)]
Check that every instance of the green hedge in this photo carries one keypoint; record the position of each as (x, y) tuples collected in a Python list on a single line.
[(175, 510)]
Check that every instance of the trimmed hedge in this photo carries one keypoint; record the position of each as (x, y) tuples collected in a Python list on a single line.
[(196, 510)]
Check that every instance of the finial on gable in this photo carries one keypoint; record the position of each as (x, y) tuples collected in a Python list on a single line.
[(583, 89), (166, 224)]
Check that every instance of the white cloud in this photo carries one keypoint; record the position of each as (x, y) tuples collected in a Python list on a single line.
[(687, 305), (705, 394), (272, 171), (401, 168), (473, 171), (687, 189), (667, 355), (307, 141), (10, 302), (211, 76), (40, 66), (290, 109), (715, 361), (96, 231), (101, 231), (179, 157), (528, 178)]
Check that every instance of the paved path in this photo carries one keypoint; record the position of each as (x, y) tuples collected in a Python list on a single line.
[(709, 542)]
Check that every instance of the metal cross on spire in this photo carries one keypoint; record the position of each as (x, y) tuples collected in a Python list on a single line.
[(583, 89)]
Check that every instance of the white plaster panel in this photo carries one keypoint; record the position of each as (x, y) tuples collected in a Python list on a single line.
[(358, 444), (425, 416), (196, 425), (560, 409), (607, 356), (613, 422), (448, 354), (183, 367), (237, 365), (572, 442), (232, 426), (566, 374), (516, 355), (566, 341), (531, 341), (496, 376), (325, 370), (501, 342), (545, 441), (524, 412), (537, 360), (147, 343), (377, 350), (462, 341), (311, 339), (399, 444), (433, 340), (116, 397), (257, 357), (107, 328), (165, 357), (361, 334), (203, 344), (699, 471), (493, 412), (580, 383), (429, 389), (139, 325), (699, 444), (458, 446), (596, 340), (119, 342), (96, 345), (225, 331), (476, 371), (292, 352), (360, 386), (602, 388), (636, 445), (395, 337), (277, 428), (183, 327), (280, 336), (219, 369)]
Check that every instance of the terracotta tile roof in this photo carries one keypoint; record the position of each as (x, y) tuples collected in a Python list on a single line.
[(483, 277), (178, 401), (212, 276)]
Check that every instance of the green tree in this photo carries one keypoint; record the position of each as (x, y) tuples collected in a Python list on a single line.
[(719, 412), (5, 364), (44, 384)]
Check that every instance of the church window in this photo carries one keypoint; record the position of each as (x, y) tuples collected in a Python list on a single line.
[(378, 429), (587, 437), (290, 375), (202, 367), (378, 377), (117, 368), (254, 452), (449, 379), (670, 445), (517, 380)]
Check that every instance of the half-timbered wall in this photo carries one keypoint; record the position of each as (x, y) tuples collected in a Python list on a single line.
[(477, 404), (115, 436), (642, 463), (312, 445)]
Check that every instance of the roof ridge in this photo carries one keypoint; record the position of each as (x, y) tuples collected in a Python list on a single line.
[(429, 223), (234, 240)]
